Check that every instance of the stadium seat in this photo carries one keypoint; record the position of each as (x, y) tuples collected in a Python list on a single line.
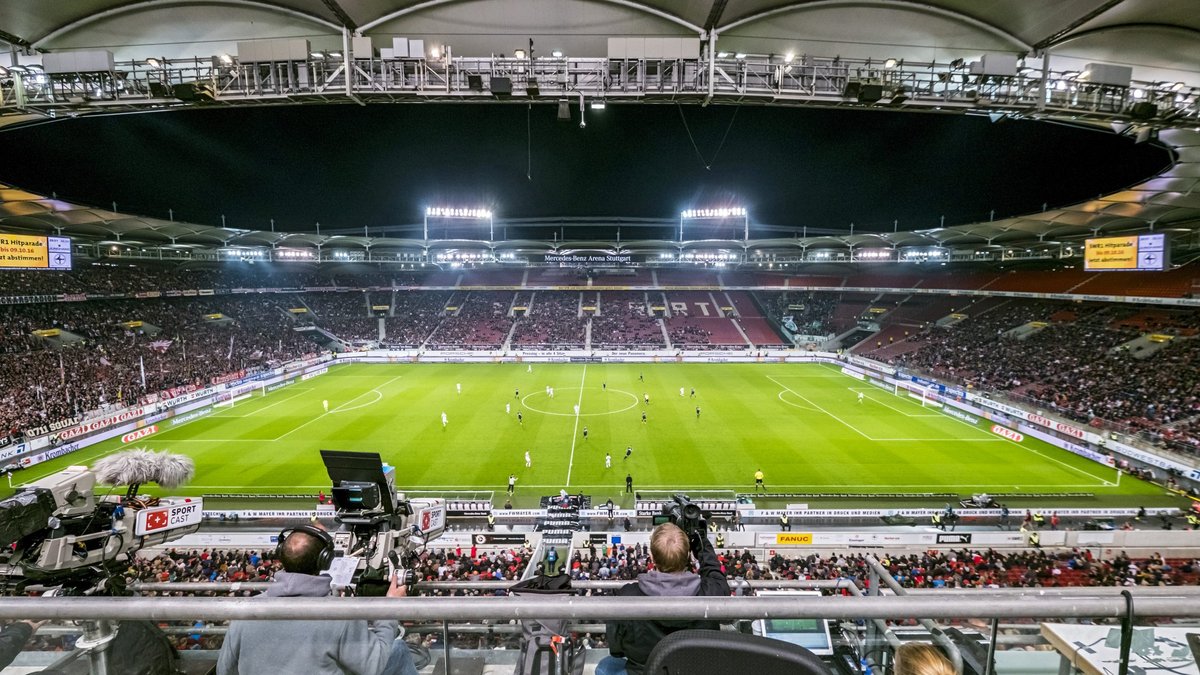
[(705, 652)]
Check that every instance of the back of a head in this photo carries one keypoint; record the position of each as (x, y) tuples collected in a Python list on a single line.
[(922, 658), (669, 548), (300, 553)]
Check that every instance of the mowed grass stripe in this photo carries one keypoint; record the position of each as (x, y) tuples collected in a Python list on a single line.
[(744, 425)]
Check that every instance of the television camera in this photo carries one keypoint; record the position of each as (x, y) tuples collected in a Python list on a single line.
[(381, 530), (57, 531), (685, 514)]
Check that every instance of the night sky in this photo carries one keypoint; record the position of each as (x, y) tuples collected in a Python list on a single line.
[(347, 166)]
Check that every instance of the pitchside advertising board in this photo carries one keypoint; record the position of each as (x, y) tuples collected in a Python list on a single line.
[(1139, 253), (19, 251)]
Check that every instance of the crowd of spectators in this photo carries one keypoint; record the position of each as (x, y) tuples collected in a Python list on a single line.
[(624, 321), (687, 334), (346, 315), (103, 356), (931, 569), (813, 319), (965, 568), (415, 316), (120, 278), (482, 321), (552, 321), (1074, 366)]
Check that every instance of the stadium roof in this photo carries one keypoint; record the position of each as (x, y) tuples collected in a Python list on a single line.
[(1154, 36), (1169, 201), (1028, 26)]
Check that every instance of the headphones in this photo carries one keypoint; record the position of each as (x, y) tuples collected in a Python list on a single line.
[(324, 558)]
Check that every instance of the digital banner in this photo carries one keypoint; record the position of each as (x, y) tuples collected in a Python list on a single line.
[(1146, 252), (20, 251)]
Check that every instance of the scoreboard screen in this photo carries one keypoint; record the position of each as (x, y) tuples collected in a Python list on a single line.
[(1139, 253), (26, 252)]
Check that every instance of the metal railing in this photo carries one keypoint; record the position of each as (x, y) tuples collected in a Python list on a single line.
[(806, 80), (1031, 604)]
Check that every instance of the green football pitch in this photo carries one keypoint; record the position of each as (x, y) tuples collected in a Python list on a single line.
[(802, 425)]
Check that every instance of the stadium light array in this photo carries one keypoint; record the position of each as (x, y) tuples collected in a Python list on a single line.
[(716, 214), (461, 213), (731, 212)]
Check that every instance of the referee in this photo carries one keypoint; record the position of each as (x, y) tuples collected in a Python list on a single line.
[(758, 481)]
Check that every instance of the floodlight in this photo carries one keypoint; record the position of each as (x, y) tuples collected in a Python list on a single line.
[(459, 213), (518, 53), (1178, 86), (722, 55), (317, 55), (226, 59), (789, 57), (597, 105), (3, 71), (153, 62), (557, 53), (336, 55), (435, 53), (739, 55), (890, 63), (1139, 93)]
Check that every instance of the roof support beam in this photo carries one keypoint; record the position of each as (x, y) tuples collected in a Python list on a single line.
[(341, 14), (154, 4), (714, 14), (911, 5), (14, 40), (632, 4), (1058, 35), (1162, 27)]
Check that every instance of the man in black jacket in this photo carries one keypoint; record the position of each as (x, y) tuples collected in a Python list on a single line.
[(630, 642)]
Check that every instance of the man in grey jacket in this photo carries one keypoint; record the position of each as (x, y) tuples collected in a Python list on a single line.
[(313, 647)]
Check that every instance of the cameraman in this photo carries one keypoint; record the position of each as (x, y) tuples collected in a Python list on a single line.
[(630, 642), (313, 647)]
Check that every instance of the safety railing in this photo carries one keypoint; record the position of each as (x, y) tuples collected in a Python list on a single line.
[(808, 80)]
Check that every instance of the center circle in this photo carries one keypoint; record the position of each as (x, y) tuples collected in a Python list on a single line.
[(525, 402)]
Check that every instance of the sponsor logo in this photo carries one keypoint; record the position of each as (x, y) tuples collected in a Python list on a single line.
[(954, 538), (140, 433), (170, 517), (229, 377), (281, 385), (794, 538), (310, 375), (493, 539), (102, 423), (194, 415), (961, 415), (853, 373), (1007, 433)]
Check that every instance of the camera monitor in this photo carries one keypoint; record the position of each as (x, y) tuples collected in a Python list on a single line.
[(812, 634), (359, 481)]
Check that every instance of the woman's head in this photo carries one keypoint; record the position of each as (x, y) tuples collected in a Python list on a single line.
[(922, 658)]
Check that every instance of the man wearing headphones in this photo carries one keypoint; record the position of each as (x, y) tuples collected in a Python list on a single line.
[(316, 647)]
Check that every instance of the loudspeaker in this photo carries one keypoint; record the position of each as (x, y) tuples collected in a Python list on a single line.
[(501, 86), (1143, 110), (159, 90), (531, 87), (324, 558), (870, 93), (852, 89), (474, 82)]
